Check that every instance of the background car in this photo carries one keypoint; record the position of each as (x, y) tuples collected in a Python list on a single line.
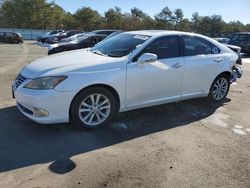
[(242, 40), (43, 38), (74, 37), (78, 43), (11, 37), (57, 38), (222, 40), (236, 49)]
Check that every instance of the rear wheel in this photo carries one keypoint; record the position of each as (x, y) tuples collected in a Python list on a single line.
[(93, 108), (219, 88), (15, 41)]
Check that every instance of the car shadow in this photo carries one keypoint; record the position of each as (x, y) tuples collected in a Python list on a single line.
[(24, 143)]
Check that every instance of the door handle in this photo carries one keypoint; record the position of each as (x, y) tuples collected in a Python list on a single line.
[(177, 65), (218, 59)]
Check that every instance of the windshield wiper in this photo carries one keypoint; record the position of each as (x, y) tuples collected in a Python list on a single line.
[(98, 52)]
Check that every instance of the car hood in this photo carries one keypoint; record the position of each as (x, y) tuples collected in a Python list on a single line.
[(70, 62), (52, 46), (233, 46)]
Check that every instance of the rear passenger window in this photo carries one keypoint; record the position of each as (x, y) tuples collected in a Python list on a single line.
[(198, 46), (164, 47)]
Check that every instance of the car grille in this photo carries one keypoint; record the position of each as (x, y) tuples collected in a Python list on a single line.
[(19, 80)]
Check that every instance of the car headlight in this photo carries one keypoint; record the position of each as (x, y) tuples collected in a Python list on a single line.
[(48, 82)]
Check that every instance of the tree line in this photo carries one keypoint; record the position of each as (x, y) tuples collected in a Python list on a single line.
[(41, 14)]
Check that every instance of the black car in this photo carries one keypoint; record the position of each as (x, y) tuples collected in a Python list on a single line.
[(242, 40), (44, 38), (222, 40), (79, 43), (56, 39), (236, 49), (11, 37)]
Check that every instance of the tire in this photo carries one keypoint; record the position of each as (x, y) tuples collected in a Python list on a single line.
[(87, 111), (14, 41), (219, 89)]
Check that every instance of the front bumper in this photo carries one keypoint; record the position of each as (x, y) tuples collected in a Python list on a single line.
[(54, 104), (236, 73)]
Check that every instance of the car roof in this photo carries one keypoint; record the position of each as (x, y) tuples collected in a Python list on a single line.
[(106, 30), (93, 35), (97, 35), (73, 31), (8, 32), (240, 33)]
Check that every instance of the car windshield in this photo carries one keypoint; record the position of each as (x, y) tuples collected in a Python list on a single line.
[(239, 38), (119, 45), (80, 39)]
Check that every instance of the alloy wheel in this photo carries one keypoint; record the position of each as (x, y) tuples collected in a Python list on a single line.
[(94, 109), (220, 88)]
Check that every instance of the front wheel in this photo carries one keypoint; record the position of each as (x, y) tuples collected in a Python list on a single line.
[(219, 89), (93, 108)]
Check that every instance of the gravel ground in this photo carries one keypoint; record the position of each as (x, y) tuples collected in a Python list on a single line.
[(185, 144)]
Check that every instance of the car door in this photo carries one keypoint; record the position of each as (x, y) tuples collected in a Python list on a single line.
[(156, 82), (202, 64), (1, 37), (9, 37), (4, 37)]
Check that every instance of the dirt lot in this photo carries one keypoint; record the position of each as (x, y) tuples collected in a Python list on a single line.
[(186, 144)]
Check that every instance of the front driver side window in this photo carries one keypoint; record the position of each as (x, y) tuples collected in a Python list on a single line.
[(164, 47)]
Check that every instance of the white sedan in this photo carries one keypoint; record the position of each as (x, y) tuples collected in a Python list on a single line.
[(128, 71)]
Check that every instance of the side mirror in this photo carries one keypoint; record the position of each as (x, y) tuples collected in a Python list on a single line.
[(147, 58)]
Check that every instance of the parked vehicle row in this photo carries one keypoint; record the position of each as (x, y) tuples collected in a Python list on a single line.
[(80, 41), (44, 38), (239, 41), (63, 35), (11, 37), (127, 71)]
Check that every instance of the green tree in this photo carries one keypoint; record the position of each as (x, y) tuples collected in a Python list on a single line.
[(217, 25), (185, 25), (177, 18), (196, 19), (87, 19), (37, 14), (69, 22), (45, 14), (137, 19), (164, 19), (114, 18)]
